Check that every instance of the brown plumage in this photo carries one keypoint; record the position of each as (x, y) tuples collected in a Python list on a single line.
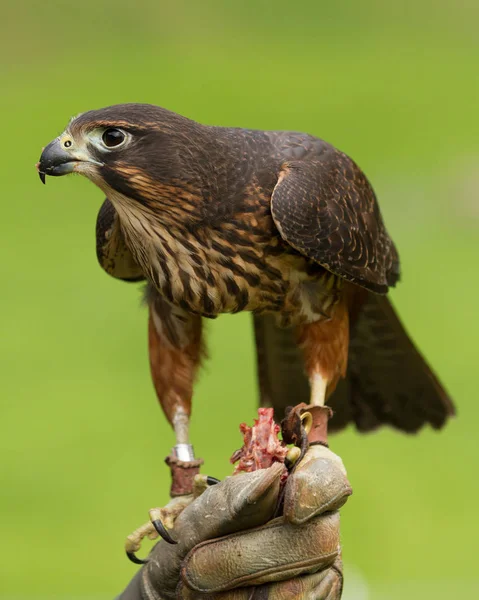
[(280, 224)]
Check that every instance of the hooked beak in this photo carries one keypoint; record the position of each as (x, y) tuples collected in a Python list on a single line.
[(56, 159)]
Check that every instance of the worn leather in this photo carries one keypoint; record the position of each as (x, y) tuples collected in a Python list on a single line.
[(326, 584), (229, 545), (273, 552), (318, 484)]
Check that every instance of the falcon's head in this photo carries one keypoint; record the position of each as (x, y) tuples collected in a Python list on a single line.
[(138, 151)]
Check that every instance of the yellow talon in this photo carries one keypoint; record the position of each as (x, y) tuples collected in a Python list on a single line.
[(133, 541), (163, 519), (307, 421)]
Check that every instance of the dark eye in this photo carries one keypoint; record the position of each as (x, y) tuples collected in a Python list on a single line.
[(113, 137)]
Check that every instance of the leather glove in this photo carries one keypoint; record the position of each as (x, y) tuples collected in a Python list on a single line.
[(230, 546)]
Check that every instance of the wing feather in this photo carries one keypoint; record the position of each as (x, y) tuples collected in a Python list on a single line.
[(326, 209)]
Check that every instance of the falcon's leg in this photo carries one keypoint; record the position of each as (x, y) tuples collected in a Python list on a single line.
[(325, 348), (175, 349), (319, 385)]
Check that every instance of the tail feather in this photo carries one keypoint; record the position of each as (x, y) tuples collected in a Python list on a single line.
[(388, 382)]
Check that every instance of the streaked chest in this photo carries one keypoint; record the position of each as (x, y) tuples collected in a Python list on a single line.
[(241, 264)]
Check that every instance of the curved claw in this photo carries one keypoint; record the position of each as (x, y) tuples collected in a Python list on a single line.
[(304, 444), (212, 480), (163, 532), (134, 559)]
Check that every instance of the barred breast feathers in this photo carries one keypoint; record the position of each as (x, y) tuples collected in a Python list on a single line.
[(223, 270), (199, 271)]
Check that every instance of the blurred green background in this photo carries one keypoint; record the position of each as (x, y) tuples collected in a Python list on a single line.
[(82, 439)]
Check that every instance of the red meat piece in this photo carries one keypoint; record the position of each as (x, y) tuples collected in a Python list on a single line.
[(261, 447)]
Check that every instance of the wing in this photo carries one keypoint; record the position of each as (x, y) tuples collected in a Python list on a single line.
[(325, 208), (111, 250)]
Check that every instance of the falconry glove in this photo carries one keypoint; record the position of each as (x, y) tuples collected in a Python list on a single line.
[(231, 546)]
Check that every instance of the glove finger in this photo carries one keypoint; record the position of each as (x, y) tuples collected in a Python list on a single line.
[(324, 585), (187, 594), (273, 552), (329, 588), (318, 484), (240, 502)]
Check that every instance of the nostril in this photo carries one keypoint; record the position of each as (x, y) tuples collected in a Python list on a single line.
[(67, 144)]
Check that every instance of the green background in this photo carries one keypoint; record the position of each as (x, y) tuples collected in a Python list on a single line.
[(82, 439)]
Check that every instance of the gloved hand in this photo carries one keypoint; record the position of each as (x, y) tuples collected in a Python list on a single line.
[(228, 540)]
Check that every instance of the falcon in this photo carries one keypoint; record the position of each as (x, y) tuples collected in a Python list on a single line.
[(280, 224)]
